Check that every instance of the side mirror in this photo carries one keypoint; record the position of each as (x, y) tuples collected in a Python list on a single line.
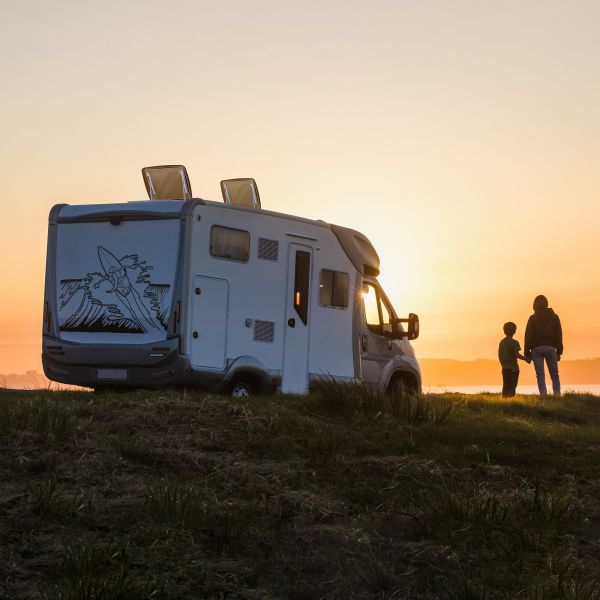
[(413, 327)]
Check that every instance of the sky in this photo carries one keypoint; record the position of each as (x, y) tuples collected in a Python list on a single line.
[(463, 138)]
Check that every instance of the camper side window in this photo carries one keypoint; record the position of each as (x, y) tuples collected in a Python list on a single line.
[(333, 289), (233, 244)]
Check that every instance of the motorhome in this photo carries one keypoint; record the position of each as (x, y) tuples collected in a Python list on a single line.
[(225, 296)]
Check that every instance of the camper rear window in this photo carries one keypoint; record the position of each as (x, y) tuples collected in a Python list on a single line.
[(233, 244), (333, 289)]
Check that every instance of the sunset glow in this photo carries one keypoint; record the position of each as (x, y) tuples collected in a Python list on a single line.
[(462, 138)]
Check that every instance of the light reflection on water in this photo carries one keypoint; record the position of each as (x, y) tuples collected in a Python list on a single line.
[(592, 388)]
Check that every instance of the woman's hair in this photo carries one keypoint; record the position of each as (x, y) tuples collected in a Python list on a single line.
[(509, 328), (540, 302)]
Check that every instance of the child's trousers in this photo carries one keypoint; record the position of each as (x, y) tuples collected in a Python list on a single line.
[(510, 379)]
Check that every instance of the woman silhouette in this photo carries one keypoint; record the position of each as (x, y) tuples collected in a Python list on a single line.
[(543, 342)]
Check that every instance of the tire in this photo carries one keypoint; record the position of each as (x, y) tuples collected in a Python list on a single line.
[(402, 382), (241, 390)]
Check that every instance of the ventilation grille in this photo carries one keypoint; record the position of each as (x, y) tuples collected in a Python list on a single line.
[(267, 249), (264, 331)]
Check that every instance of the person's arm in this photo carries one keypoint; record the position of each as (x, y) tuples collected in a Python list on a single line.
[(518, 353), (528, 336), (559, 340)]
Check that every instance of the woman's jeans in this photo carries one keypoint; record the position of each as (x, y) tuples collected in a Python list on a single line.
[(547, 353)]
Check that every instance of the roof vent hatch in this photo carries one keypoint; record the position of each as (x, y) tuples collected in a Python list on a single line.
[(167, 182), (240, 192)]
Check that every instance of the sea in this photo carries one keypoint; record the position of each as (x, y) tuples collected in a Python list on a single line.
[(593, 388), (584, 388)]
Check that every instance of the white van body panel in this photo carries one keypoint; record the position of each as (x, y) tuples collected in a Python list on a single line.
[(265, 282)]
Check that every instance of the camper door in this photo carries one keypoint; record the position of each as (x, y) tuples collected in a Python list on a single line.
[(297, 326)]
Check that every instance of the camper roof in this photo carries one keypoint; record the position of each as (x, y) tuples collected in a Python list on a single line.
[(356, 245)]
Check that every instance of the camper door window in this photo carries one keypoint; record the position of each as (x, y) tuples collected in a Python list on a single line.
[(301, 284), (228, 243), (378, 313), (371, 308), (386, 317), (333, 289)]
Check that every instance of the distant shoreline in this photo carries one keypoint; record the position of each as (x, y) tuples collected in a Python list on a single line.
[(522, 390), (438, 374), (443, 372)]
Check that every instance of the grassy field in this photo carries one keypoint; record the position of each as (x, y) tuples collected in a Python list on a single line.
[(343, 494)]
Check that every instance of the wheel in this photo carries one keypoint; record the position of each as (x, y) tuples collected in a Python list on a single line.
[(241, 390), (402, 383)]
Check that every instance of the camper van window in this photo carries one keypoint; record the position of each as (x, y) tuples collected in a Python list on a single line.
[(378, 312), (233, 244), (386, 314), (301, 283), (371, 303), (333, 289)]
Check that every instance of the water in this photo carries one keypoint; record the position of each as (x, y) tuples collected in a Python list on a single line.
[(584, 388), (591, 388)]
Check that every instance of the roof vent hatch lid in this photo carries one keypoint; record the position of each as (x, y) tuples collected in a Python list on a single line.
[(240, 192), (167, 182)]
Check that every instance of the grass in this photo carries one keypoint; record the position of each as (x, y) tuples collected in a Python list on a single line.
[(46, 418), (346, 493)]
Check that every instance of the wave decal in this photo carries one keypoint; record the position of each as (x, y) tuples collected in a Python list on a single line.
[(118, 299)]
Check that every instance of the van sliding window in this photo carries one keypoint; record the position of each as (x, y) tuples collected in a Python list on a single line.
[(333, 289), (233, 244), (301, 284)]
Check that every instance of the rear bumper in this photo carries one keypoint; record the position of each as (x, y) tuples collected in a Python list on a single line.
[(140, 365), (94, 365)]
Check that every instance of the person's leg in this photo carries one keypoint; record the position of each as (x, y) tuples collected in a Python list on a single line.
[(505, 382), (515, 382), (552, 362), (512, 377), (538, 362)]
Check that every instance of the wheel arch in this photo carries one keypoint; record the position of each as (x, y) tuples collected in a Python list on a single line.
[(250, 370), (411, 379)]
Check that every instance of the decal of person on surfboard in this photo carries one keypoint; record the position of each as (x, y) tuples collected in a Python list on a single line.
[(119, 299), (115, 271)]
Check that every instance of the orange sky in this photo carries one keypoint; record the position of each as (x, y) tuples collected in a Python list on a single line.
[(462, 137)]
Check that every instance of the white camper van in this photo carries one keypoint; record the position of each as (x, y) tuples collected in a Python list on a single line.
[(220, 295)]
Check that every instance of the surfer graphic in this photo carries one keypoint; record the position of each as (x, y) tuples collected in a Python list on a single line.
[(118, 298), (115, 272)]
